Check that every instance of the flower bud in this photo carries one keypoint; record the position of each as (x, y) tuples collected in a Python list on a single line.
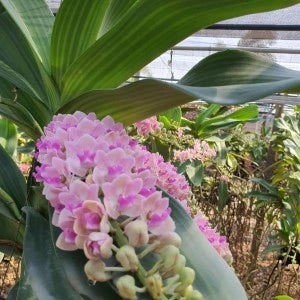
[(170, 254), (126, 287), (171, 238), (180, 263), (178, 266), (137, 233), (228, 258), (95, 271), (154, 286), (127, 257), (191, 294), (98, 244), (186, 277)]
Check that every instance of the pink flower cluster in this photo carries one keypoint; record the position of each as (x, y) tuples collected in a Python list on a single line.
[(24, 168), (200, 151), (167, 177), (93, 171), (217, 241), (149, 125), (224, 178)]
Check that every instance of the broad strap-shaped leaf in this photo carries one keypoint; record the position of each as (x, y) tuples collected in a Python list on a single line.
[(76, 28), (11, 179), (22, 290), (214, 278), (212, 109), (15, 51), (222, 194), (8, 207), (16, 54), (17, 79), (114, 13), (11, 235), (271, 188), (245, 113), (35, 20), (147, 30), (229, 120), (18, 114), (141, 99), (65, 278), (8, 136)]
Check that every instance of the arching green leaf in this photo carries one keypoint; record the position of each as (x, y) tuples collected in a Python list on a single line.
[(242, 77), (76, 28), (35, 21), (148, 29)]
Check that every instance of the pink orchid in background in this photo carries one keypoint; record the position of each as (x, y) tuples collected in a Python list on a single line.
[(24, 168), (217, 241), (201, 151), (224, 178), (149, 125)]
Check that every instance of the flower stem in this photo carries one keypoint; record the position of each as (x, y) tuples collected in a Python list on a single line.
[(148, 249)]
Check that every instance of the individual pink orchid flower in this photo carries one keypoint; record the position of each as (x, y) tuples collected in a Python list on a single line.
[(91, 216), (110, 165), (98, 244), (79, 192), (66, 240), (121, 197)]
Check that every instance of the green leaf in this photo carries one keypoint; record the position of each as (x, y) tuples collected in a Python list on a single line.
[(283, 297), (223, 195), (35, 21), (243, 114), (11, 236), (113, 14), (18, 114), (11, 96), (11, 179), (16, 54), (211, 110), (76, 28), (182, 167), (145, 98), (231, 161), (27, 148), (17, 80), (8, 136), (195, 172), (8, 207), (165, 121), (22, 290), (147, 30), (157, 145), (262, 196), (214, 278), (272, 189), (173, 115), (273, 248), (65, 277)]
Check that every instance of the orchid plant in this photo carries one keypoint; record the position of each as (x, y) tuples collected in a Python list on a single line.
[(109, 196)]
